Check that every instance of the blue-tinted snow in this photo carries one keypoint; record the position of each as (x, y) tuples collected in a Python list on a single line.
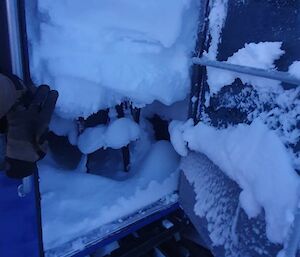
[(98, 53), (75, 203)]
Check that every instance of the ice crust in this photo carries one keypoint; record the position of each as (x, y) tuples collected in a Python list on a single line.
[(103, 52)]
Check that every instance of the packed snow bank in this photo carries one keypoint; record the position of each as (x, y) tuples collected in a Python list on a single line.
[(98, 53), (116, 135), (261, 55), (254, 157), (74, 203)]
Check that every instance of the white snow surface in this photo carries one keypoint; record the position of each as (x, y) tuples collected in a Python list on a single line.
[(117, 134), (98, 53), (254, 157), (294, 69), (217, 18), (64, 127), (176, 130), (74, 203), (258, 55)]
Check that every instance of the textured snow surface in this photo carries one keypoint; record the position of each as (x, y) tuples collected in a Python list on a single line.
[(258, 55), (284, 118), (222, 223), (254, 157), (98, 53), (74, 203)]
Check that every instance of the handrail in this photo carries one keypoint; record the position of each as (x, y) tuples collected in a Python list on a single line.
[(269, 74)]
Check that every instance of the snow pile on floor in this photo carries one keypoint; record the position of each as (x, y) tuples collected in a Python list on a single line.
[(98, 53), (261, 55), (117, 134), (254, 157), (74, 203)]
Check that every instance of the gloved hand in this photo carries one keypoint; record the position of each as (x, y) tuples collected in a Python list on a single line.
[(27, 131)]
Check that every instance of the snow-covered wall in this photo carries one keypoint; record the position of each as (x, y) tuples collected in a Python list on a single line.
[(98, 53)]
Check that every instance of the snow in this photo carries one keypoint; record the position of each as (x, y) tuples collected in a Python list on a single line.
[(117, 134), (101, 53), (217, 18), (224, 227), (74, 203), (284, 119), (258, 55), (176, 130), (254, 157), (98, 54), (294, 69), (64, 127)]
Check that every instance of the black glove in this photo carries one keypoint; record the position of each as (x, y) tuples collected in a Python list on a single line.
[(27, 132)]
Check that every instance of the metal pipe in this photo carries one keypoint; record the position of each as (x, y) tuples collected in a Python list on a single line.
[(14, 37), (269, 74), (12, 9)]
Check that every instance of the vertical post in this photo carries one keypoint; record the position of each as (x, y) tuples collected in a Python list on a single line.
[(14, 37), (22, 215)]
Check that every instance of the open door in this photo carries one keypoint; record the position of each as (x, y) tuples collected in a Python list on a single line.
[(208, 195), (96, 185)]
